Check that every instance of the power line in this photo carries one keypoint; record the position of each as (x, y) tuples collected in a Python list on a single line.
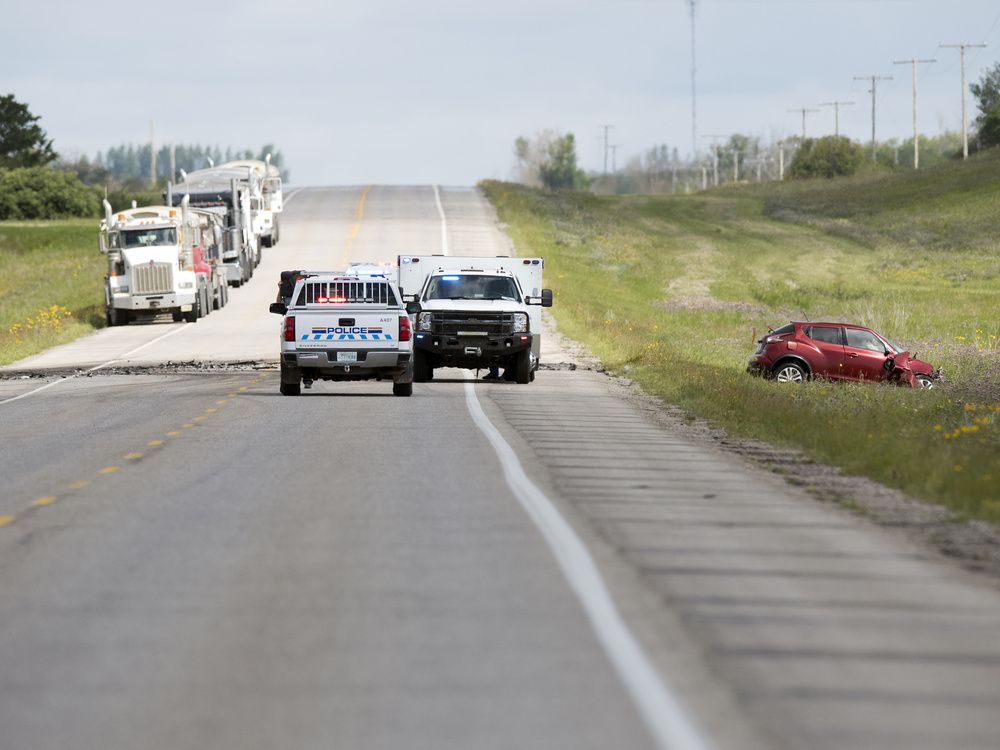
[(916, 136), (836, 113), (874, 82), (965, 118)]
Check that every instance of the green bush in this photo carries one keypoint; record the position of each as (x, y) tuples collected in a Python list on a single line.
[(43, 193), (830, 156)]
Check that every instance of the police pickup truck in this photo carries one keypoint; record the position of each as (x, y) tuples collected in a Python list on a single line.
[(343, 326), (474, 312)]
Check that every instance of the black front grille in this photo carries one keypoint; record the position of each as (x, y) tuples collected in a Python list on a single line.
[(454, 323)]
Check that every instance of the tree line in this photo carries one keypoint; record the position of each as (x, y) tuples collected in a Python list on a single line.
[(36, 183)]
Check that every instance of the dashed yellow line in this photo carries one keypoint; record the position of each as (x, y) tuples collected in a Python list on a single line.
[(109, 470), (154, 443), (7, 520), (243, 388), (188, 426), (211, 410), (221, 401), (134, 455), (79, 485), (44, 500), (359, 215), (173, 433), (200, 418)]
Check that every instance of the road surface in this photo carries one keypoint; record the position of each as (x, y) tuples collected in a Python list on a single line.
[(190, 560)]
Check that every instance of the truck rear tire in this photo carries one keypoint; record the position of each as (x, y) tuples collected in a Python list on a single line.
[(112, 317), (422, 370), (195, 313), (402, 389), (291, 389), (522, 367)]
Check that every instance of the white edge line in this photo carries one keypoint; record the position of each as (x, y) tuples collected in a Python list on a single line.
[(444, 221), (296, 191), (660, 709), (98, 367)]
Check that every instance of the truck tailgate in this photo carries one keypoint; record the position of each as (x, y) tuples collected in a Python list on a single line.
[(346, 329)]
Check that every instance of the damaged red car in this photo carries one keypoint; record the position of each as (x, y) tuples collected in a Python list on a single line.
[(837, 351)]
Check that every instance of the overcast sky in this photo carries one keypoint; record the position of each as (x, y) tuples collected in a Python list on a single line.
[(408, 91)]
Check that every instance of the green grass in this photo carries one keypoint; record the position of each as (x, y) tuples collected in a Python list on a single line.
[(50, 287), (675, 290)]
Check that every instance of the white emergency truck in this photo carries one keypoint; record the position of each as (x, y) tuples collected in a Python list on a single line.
[(344, 326), (161, 259), (475, 313)]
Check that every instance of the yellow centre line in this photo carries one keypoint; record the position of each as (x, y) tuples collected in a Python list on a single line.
[(200, 418), (221, 401), (80, 484), (359, 215), (109, 470), (173, 433), (211, 410), (44, 500), (133, 455), (6, 520), (187, 426), (243, 388), (154, 443)]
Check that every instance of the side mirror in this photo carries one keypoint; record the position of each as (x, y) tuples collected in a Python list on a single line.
[(412, 308), (103, 244), (546, 298), (278, 308)]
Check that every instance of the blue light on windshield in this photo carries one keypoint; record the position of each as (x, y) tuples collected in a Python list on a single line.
[(449, 278)]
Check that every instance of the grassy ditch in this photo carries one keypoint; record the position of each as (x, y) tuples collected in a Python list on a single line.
[(50, 287), (674, 291)]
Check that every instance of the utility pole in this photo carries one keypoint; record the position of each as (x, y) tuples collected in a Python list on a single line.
[(836, 113), (614, 153), (916, 136), (173, 162), (781, 160), (152, 154), (694, 89), (965, 119), (736, 165), (874, 81), (715, 157), (606, 129), (804, 112)]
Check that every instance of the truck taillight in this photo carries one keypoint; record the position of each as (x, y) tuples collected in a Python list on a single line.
[(290, 328), (404, 327)]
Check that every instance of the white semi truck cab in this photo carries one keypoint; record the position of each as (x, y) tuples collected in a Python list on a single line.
[(474, 313), (159, 261), (271, 199)]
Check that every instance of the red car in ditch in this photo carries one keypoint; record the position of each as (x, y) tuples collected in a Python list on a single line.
[(837, 351)]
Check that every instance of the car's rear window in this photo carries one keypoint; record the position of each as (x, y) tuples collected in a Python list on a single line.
[(826, 334), (783, 330)]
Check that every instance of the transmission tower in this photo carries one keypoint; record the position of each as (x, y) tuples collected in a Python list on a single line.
[(694, 88)]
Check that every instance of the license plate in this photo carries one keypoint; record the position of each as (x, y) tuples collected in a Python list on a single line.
[(347, 356)]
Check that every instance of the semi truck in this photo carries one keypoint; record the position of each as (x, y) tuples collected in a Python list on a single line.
[(474, 313), (271, 197), (234, 194), (161, 259)]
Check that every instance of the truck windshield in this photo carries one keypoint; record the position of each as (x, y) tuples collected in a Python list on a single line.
[(467, 286), (149, 237)]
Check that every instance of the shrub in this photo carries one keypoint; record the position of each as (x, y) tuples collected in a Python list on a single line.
[(42, 193), (830, 156)]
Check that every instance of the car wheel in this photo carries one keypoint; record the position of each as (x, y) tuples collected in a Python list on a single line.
[(925, 381), (402, 389), (790, 372), (291, 389), (522, 367)]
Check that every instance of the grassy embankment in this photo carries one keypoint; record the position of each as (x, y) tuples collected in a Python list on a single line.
[(50, 284), (674, 290)]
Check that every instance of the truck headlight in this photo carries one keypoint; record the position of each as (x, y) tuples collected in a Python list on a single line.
[(520, 323), (424, 321)]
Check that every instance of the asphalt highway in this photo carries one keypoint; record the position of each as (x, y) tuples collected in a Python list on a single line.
[(191, 560)]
